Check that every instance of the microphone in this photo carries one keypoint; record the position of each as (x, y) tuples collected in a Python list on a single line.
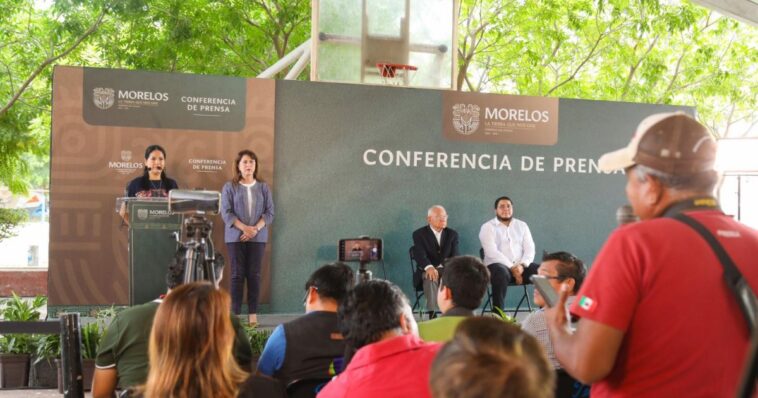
[(625, 215)]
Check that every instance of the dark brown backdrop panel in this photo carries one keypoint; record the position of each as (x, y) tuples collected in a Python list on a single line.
[(91, 165)]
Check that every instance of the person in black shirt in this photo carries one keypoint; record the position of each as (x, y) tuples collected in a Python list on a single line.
[(153, 182)]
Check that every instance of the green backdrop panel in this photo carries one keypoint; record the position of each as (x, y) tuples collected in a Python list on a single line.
[(328, 191)]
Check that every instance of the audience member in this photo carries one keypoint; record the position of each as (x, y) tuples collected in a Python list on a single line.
[(191, 349), (307, 347), (462, 288), (508, 250), (657, 318), (390, 361), (122, 354), (489, 358), (432, 245), (557, 268)]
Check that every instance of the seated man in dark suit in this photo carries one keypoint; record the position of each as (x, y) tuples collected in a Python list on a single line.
[(432, 245), (311, 347)]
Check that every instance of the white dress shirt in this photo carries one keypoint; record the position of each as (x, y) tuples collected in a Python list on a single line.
[(507, 245), (437, 235), (250, 199)]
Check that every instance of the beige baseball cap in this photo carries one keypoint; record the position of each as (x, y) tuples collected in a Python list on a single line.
[(673, 143)]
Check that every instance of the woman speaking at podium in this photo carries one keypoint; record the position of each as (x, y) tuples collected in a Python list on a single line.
[(153, 182), (247, 209)]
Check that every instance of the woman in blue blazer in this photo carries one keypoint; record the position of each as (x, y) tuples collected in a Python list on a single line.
[(247, 209)]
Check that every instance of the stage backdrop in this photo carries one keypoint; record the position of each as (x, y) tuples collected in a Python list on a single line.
[(102, 122), (365, 160), (350, 160)]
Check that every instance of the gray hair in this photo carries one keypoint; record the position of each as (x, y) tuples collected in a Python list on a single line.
[(431, 210), (703, 182)]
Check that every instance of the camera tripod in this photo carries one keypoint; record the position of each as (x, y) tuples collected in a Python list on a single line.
[(200, 254)]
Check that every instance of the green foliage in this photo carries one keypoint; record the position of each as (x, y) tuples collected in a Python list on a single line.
[(643, 51), (20, 310), (225, 37), (257, 337), (647, 51), (9, 221), (48, 346), (91, 333)]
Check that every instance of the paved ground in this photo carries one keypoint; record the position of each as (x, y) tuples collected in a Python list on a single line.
[(28, 393)]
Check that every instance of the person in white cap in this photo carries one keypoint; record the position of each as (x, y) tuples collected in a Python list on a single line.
[(657, 317)]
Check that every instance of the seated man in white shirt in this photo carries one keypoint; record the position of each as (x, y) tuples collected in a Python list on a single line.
[(508, 250)]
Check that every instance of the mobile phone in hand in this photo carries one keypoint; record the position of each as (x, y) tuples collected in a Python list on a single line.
[(546, 289)]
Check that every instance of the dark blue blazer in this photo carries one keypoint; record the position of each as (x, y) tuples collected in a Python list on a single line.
[(426, 250)]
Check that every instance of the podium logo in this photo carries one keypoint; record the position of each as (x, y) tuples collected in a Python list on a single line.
[(126, 156), (465, 118), (103, 98), (142, 214)]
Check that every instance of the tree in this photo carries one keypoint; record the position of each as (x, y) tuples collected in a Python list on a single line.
[(34, 40), (621, 50), (227, 37), (9, 221)]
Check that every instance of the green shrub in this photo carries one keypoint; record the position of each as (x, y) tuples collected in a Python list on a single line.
[(10, 220), (257, 337), (48, 347), (16, 309)]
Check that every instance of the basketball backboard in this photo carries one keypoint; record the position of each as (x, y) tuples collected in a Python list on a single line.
[(352, 39)]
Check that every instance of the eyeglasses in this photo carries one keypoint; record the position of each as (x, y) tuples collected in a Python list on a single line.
[(305, 298), (558, 278)]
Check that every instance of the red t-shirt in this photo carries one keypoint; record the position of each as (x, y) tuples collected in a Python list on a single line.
[(398, 367), (660, 283)]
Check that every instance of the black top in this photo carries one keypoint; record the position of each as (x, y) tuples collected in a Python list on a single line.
[(314, 349), (157, 188), (258, 386)]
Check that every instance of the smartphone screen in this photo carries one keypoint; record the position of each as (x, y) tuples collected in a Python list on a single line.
[(546, 289), (360, 249)]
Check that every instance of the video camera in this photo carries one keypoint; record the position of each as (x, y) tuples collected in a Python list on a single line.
[(195, 239)]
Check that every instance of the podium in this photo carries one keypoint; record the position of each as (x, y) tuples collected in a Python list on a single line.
[(151, 247)]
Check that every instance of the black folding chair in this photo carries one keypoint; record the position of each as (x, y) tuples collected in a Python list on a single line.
[(418, 288), (524, 296)]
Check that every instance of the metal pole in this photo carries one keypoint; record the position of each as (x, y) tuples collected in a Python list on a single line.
[(71, 357), (285, 61), (739, 197)]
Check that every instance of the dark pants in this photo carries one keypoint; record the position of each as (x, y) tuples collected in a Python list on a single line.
[(246, 259), (500, 277)]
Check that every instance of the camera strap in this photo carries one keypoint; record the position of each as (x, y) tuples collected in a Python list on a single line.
[(732, 276)]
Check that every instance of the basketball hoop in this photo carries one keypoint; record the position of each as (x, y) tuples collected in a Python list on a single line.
[(396, 74)]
